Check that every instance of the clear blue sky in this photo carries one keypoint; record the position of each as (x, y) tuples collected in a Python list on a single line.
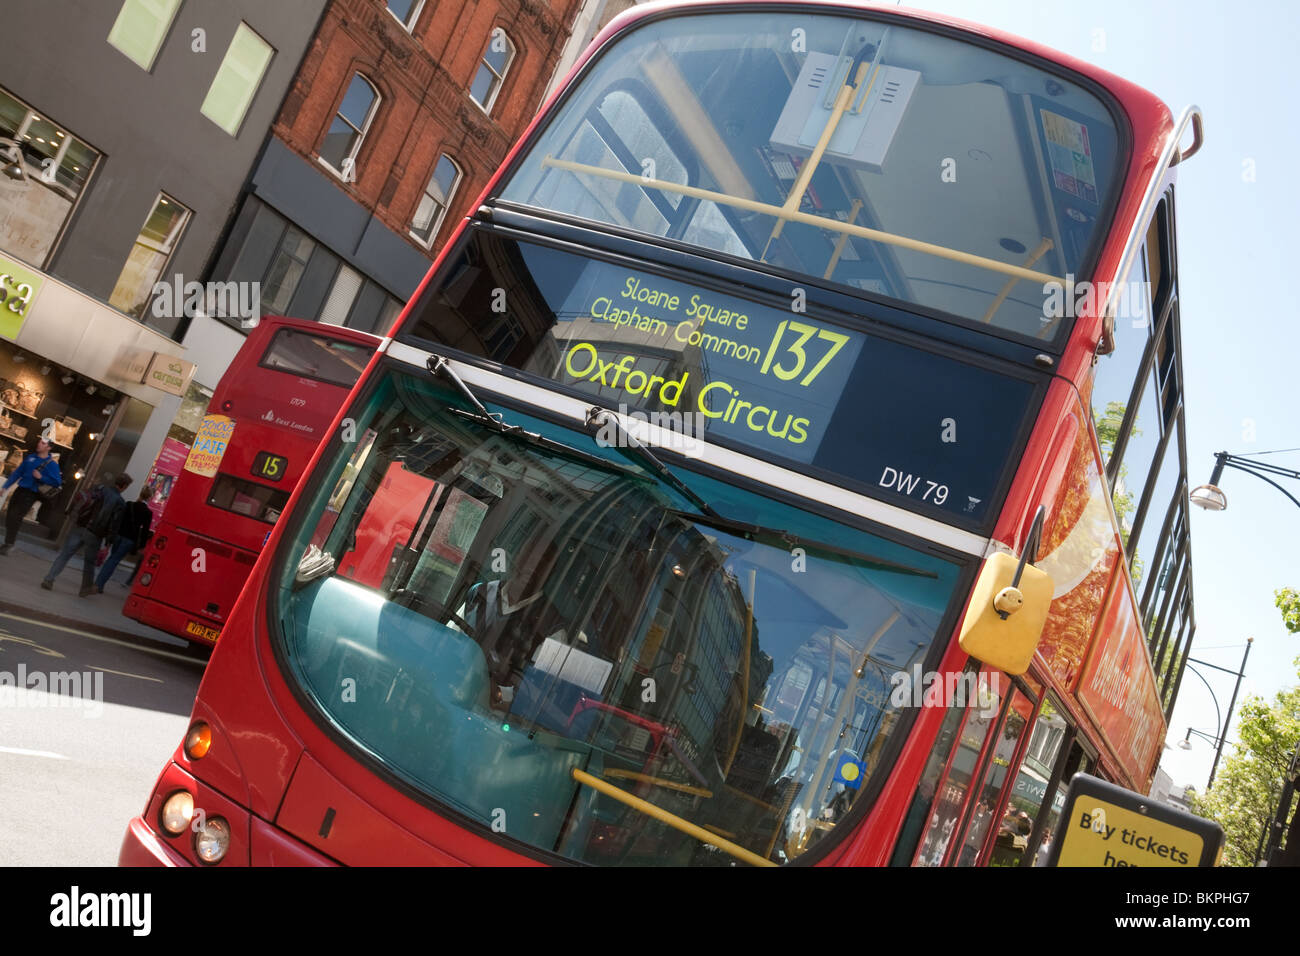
[(1238, 62)]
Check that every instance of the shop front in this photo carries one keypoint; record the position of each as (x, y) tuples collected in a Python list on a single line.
[(102, 388)]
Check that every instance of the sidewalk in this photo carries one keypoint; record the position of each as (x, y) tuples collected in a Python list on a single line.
[(21, 571)]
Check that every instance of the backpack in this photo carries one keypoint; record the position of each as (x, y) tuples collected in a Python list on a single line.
[(90, 504), (108, 519)]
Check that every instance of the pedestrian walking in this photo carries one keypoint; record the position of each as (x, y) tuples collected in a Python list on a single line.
[(37, 477), (97, 518), (132, 534)]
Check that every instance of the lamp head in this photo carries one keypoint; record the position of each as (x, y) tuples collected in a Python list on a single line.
[(1209, 497)]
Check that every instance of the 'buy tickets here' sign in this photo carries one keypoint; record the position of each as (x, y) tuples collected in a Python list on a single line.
[(1106, 825)]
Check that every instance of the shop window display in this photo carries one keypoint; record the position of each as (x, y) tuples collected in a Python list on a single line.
[(38, 397)]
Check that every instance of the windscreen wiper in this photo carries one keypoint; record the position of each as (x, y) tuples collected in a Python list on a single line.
[(788, 541), (598, 418), (494, 422)]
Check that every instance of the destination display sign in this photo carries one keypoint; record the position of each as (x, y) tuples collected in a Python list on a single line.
[(730, 367), (773, 380)]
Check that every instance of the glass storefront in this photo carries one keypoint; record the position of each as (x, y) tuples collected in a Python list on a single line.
[(39, 397)]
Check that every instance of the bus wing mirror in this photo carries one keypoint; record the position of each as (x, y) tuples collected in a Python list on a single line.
[(1106, 344), (1008, 608), (315, 564)]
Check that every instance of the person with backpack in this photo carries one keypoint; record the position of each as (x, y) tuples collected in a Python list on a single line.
[(97, 518), (132, 534), (37, 477)]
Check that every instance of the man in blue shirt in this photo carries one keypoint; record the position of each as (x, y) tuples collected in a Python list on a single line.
[(101, 516), (37, 469)]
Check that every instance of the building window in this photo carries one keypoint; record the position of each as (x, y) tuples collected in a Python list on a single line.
[(492, 70), (153, 248), (285, 270), (343, 141), (347, 283), (45, 169), (141, 27), (406, 11), (437, 197), (237, 80), (373, 309)]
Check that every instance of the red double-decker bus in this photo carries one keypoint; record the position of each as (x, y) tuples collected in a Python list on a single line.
[(268, 413), (783, 464)]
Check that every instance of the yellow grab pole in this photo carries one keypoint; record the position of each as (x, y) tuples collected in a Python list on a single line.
[(821, 222), (671, 819)]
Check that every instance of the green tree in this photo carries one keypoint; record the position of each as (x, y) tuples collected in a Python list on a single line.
[(1249, 783), (1288, 602)]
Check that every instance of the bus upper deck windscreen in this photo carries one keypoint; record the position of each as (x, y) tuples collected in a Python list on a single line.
[(316, 356), (297, 383), (899, 162)]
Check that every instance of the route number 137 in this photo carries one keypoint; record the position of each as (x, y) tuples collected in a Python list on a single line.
[(804, 334)]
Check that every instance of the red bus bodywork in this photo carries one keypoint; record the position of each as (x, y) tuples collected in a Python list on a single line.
[(166, 593), (279, 777)]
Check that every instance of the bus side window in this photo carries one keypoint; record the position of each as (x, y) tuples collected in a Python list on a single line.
[(951, 795), (927, 788), (1128, 395), (1027, 801)]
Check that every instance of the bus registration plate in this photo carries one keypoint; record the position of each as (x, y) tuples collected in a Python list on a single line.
[(200, 630)]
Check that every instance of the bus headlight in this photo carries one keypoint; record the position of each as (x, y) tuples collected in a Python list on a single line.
[(146, 579), (177, 811), (212, 839)]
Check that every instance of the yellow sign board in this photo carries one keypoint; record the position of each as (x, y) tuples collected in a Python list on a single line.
[(1108, 826), (210, 445), (18, 287)]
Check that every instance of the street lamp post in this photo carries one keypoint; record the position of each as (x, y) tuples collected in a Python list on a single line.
[(1211, 497), (1223, 734), (1186, 744)]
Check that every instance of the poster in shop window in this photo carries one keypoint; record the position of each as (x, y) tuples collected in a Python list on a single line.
[(166, 468)]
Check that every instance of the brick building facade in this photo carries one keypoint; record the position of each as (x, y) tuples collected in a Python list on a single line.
[(398, 116), (424, 79)]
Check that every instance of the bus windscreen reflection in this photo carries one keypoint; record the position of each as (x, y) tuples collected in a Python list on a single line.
[(558, 651)]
